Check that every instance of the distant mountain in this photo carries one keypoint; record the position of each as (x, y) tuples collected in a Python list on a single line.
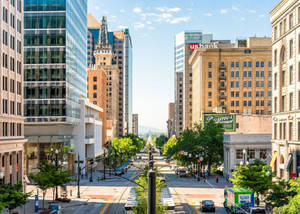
[(146, 130)]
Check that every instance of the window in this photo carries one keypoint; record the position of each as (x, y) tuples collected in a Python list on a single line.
[(245, 93), (12, 86), (19, 108), (269, 84), (12, 129), (290, 130), (232, 103), (249, 103), (19, 129), (275, 33), (270, 64), (291, 102), (19, 88), (257, 64), (249, 93), (209, 75), (5, 60), (262, 94), (269, 93), (299, 44), (275, 57), (245, 84), (209, 84), (291, 48), (262, 103), (232, 84), (19, 47), (262, 84), (257, 93), (209, 94), (263, 154), (284, 130), (12, 64), (249, 84), (282, 103), (262, 64), (245, 64), (262, 74), (283, 78), (19, 67), (209, 65), (251, 153), (237, 74), (249, 73), (275, 104), (4, 83), (269, 73), (239, 154), (257, 73), (245, 103), (237, 64), (237, 94), (232, 64), (237, 103), (269, 102), (232, 74), (245, 74), (94, 95), (4, 106), (257, 104), (291, 75), (284, 25), (237, 84), (5, 130), (257, 84), (249, 64), (95, 87), (12, 42), (209, 104), (95, 79), (291, 21)]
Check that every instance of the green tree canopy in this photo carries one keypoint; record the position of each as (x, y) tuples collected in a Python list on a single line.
[(256, 176), (161, 140)]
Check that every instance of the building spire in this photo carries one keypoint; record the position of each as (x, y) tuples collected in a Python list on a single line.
[(103, 40)]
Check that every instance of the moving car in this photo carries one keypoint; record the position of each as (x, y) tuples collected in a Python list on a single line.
[(207, 205)]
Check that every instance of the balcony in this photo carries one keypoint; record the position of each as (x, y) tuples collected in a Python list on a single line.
[(89, 118), (222, 67), (222, 87), (222, 97), (222, 77), (89, 139)]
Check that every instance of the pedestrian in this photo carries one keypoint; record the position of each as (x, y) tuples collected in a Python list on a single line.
[(204, 178), (217, 179)]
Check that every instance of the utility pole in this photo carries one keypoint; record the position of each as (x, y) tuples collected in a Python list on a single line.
[(91, 163), (104, 165), (56, 164), (78, 177), (151, 191)]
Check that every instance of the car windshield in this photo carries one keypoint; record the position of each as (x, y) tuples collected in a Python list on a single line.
[(208, 202), (258, 211)]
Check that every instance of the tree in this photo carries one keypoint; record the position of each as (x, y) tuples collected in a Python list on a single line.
[(169, 148), (210, 143), (12, 196), (256, 176), (60, 178), (278, 194), (161, 140), (44, 178), (293, 205)]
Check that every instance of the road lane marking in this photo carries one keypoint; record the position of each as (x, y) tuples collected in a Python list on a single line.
[(194, 205), (105, 207)]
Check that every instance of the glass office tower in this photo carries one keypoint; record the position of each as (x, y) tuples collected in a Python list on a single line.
[(55, 77)]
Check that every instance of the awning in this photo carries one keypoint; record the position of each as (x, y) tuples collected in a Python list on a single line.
[(289, 162), (273, 159)]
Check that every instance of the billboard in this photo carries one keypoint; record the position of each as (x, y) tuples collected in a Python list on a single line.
[(227, 120)]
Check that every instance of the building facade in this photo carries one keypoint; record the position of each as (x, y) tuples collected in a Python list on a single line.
[(55, 74), (251, 140), (170, 121), (135, 124), (233, 79), (285, 20), (178, 112), (185, 43), (122, 58), (11, 109)]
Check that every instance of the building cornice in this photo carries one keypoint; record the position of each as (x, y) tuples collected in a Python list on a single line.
[(284, 3)]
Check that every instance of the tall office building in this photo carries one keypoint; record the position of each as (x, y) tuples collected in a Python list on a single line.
[(135, 124), (285, 20), (11, 108), (122, 57), (178, 108), (55, 59), (170, 121), (185, 43), (232, 79)]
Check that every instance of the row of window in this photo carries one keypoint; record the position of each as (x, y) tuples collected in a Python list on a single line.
[(11, 107), (246, 84), (44, 56), (12, 85), (248, 74), (247, 94), (12, 41), (11, 63), (44, 5), (246, 64), (283, 77), (280, 131), (45, 74), (11, 129), (250, 154), (33, 21), (283, 25), (45, 92), (283, 102), (53, 39), (249, 103), (34, 110)]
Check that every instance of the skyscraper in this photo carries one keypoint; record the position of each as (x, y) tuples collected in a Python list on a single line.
[(185, 43), (11, 108), (122, 57), (55, 61)]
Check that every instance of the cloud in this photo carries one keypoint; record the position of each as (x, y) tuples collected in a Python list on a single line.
[(155, 17), (106, 12), (138, 25), (208, 14), (179, 19), (223, 11), (169, 9), (137, 10), (243, 19), (113, 18), (235, 8), (252, 11), (122, 11), (148, 22), (261, 16)]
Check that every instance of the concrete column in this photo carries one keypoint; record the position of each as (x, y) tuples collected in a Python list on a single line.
[(21, 168), (14, 167), (294, 163), (6, 168), (256, 155), (231, 161), (277, 160)]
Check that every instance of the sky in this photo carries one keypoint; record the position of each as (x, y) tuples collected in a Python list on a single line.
[(154, 23)]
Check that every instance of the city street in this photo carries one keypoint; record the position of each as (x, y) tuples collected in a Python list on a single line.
[(109, 196)]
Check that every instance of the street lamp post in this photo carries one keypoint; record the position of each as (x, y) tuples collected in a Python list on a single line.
[(56, 165), (91, 163), (104, 165), (78, 175)]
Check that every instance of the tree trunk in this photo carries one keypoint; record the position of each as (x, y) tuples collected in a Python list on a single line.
[(53, 191)]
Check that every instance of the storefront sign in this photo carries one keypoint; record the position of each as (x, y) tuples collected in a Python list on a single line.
[(194, 46), (244, 198), (227, 120)]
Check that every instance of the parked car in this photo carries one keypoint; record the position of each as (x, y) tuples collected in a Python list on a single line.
[(207, 205), (182, 173), (256, 210)]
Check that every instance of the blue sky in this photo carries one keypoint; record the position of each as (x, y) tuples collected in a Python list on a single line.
[(153, 25)]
